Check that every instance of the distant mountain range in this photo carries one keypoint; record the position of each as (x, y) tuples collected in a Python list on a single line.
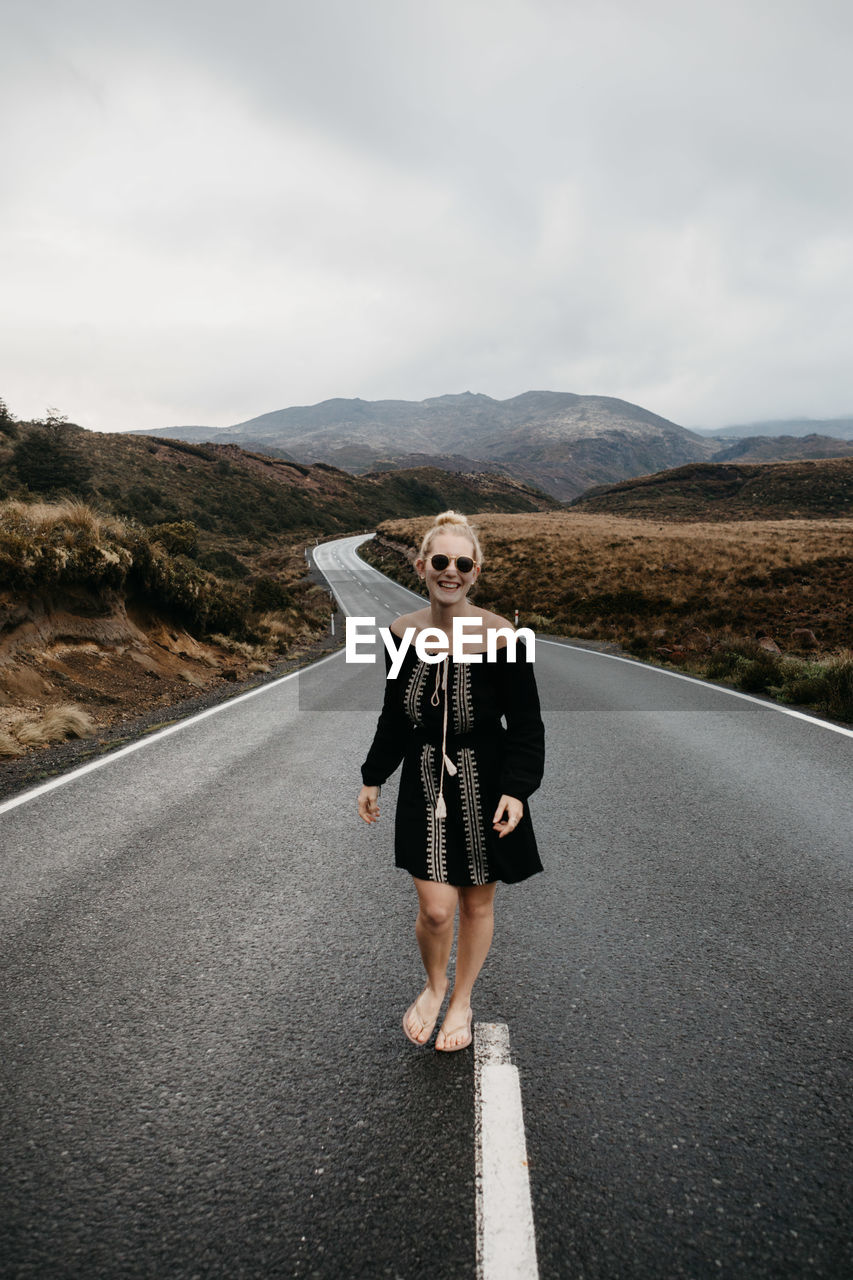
[(783, 449), (839, 428), (557, 441)]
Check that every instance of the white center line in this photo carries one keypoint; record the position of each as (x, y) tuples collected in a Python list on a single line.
[(506, 1240)]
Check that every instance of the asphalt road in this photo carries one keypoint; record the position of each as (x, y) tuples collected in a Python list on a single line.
[(204, 959)]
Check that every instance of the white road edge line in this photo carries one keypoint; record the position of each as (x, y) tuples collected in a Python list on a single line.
[(663, 671), (705, 684), (506, 1238), (155, 737)]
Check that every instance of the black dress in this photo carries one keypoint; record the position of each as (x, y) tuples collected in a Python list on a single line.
[(482, 761)]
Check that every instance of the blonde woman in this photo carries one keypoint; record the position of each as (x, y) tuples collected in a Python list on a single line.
[(462, 821)]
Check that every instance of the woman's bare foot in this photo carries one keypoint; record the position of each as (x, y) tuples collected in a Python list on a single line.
[(421, 1017), (455, 1032)]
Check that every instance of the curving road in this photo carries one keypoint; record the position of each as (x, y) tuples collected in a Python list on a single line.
[(204, 958)]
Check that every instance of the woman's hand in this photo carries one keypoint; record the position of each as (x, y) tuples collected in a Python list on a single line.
[(368, 803), (513, 809)]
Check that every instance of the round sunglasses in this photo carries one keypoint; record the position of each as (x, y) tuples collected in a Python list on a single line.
[(463, 563)]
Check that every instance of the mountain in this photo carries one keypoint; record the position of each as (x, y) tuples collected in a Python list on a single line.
[(840, 428), (783, 449), (557, 440), (732, 491)]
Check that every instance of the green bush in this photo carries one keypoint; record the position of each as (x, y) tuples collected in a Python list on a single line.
[(223, 563), (757, 674), (48, 460), (723, 664), (825, 686), (268, 594), (179, 537)]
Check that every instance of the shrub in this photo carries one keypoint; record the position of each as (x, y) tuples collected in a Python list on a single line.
[(826, 686), (47, 458), (141, 501), (280, 627), (56, 724), (269, 594), (756, 674), (224, 563), (9, 746), (179, 537), (723, 664)]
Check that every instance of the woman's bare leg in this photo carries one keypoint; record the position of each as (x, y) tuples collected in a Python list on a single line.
[(434, 932), (476, 927)]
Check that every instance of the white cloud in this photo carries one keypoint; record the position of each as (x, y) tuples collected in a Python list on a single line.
[(211, 212)]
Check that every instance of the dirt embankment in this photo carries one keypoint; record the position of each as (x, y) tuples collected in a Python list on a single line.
[(101, 656), (80, 676)]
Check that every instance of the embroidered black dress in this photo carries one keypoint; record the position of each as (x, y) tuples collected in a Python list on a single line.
[(491, 761)]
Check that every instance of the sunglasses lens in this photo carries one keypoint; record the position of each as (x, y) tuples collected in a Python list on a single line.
[(463, 563)]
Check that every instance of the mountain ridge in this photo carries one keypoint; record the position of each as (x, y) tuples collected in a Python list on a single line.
[(560, 441), (840, 428), (783, 448)]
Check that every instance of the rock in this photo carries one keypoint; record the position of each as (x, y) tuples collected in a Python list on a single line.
[(804, 638), (768, 644), (671, 651), (696, 640), (659, 633)]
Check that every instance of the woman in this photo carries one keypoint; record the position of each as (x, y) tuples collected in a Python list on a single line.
[(462, 821)]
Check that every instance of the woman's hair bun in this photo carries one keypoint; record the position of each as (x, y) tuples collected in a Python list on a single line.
[(451, 522), (450, 517)]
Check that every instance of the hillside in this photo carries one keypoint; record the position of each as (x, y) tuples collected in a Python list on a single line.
[(137, 573), (732, 491), (557, 440), (239, 501), (783, 449)]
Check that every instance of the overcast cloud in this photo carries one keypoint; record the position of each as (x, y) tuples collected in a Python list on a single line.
[(211, 210)]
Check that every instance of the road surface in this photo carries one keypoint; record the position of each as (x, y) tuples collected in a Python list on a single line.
[(205, 957)]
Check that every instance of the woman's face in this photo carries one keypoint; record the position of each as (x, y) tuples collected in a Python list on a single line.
[(448, 586)]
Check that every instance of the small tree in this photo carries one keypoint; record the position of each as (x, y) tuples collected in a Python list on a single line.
[(48, 458), (7, 422)]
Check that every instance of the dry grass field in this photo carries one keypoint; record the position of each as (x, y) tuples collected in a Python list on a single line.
[(767, 604)]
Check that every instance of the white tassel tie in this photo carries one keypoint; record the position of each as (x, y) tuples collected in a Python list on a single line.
[(446, 763)]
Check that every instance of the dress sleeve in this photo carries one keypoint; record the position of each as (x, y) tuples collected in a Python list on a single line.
[(524, 755), (393, 731)]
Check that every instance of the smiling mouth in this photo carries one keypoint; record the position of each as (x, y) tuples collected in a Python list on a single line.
[(449, 586)]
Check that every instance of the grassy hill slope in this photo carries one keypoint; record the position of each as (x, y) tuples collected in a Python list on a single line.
[(765, 604), (813, 489), (238, 501)]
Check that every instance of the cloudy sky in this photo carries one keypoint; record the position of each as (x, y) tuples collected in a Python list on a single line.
[(213, 209)]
